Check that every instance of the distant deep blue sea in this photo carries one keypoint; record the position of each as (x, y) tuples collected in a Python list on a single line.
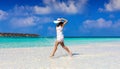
[(23, 42)]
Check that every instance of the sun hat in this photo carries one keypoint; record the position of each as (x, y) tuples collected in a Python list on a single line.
[(57, 21)]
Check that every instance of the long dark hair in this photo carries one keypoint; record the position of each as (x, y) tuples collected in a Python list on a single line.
[(59, 24)]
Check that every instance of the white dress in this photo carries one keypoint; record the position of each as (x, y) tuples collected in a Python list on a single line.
[(60, 36)]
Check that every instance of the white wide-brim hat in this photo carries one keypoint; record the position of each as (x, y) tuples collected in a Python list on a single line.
[(57, 21)]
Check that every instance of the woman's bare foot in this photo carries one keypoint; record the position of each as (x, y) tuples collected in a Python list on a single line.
[(51, 55), (70, 53)]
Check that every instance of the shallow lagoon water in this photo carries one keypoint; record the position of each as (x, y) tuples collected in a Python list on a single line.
[(20, 42)]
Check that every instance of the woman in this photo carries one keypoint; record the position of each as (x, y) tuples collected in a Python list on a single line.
[(60, 37)]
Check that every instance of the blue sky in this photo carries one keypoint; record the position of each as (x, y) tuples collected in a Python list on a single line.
[(85, 17)]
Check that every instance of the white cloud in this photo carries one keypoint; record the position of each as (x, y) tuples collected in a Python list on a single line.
[(23, 22), (99, 23), (43, 20), (3, 15), (42, 10), (29, 10), (62, 7), (113, 5), (29, 21), (50, 6), (69, 7), (21, 11), (48, 2), (25, 16)]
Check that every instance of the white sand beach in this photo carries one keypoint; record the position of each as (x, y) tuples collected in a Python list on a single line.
[(89, 56)]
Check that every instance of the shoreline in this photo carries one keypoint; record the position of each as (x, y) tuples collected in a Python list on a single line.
[(80, 45), (91, 56)]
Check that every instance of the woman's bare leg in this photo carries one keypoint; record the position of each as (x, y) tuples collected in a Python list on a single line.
[(66, 48), (54, 49)]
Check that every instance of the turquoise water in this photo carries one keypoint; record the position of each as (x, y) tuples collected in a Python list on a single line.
[(9, 42)]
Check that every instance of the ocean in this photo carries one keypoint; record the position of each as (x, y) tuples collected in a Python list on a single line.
[(24, 42)]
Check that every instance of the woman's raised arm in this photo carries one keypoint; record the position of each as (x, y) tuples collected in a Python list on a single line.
[(65, 21)]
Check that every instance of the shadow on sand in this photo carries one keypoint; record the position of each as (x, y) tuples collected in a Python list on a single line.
[(75, 54), (65, 55)]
